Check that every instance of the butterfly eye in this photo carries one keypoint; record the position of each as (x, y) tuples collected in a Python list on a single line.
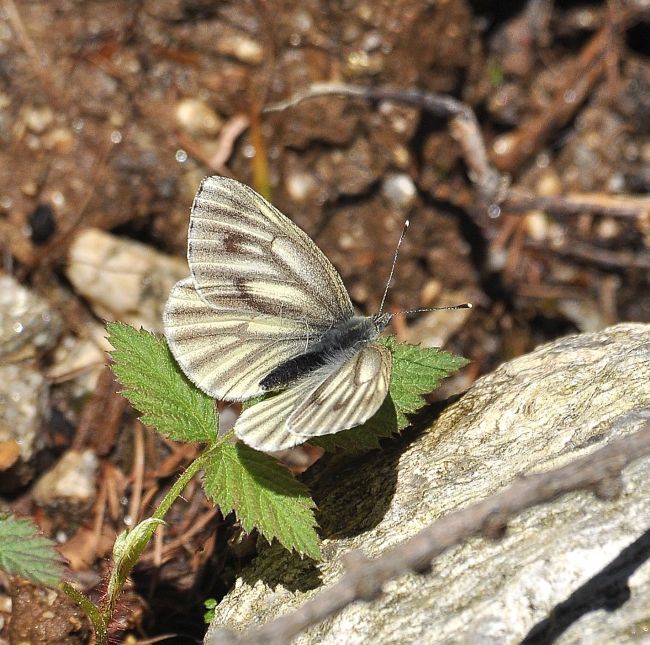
[(381, 321)]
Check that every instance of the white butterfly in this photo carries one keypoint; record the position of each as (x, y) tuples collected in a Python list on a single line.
[(265, 310)]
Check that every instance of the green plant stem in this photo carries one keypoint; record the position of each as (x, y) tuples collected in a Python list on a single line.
[(121, 573), (100, 617), (180, 484), (96, 618)]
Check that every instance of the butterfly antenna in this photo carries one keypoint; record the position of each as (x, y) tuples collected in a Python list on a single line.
[(464, 305), (392, 269)]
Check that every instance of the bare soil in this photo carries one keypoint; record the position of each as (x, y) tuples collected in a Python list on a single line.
[(112, 112)]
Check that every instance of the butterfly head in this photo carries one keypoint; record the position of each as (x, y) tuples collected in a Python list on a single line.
[(381, 321)]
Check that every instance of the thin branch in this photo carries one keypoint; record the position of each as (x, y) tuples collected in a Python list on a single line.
[(515, 148), (595, 255), (624, 206), (229, 134), (599, 472), (463, 125), (492, 187)]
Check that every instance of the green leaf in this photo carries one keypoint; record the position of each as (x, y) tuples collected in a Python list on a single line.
[(128, 547), (264, 495), (416, 371), (25, 553), (155, 386), (210, 604)]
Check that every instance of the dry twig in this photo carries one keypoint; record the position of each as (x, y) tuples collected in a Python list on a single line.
[(230, 132), (492, 187), (599, 472), (595, 255), (518, 146), (623, 206), (592, 63), (137, 474), (463, 125)]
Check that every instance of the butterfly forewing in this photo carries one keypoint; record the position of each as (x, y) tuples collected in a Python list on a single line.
[(246, 257), (332, 399), (225, 354)]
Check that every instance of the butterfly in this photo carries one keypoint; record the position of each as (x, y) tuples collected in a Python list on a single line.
[(264, 310)]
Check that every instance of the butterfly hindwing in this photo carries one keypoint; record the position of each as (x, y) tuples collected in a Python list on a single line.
[(246, 257), (264, 425), (347, 397), (332, 399)]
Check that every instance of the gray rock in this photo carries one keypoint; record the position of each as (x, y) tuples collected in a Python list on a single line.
[(68, 490), (24, 396), (575, 570), (28, 325)]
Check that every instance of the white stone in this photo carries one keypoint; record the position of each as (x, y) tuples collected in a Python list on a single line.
[(534, 413), (399, 190), (197, 118), (123, 280)]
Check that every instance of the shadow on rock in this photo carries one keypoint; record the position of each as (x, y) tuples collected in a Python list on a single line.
[(362, 483), (607, 590)]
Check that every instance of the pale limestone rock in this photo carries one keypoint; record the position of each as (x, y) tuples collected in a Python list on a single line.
[(24, 397), (573, 559), (68, 490), (122, 279), (23, 407), (28, 325)]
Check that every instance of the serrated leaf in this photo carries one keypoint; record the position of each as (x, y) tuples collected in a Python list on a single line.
[(157, 388), (25, 553), (264, 496), (415, 371)]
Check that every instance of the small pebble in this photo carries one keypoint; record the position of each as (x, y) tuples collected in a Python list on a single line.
[(197, 117), (399, 190), (243, 48), (300, 185), (69, 489), (37, 119)]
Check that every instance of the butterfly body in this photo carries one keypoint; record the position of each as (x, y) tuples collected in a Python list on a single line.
[(265, 310), (335, 345)]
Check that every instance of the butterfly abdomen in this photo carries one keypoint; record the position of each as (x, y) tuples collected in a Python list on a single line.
[(335, 345)]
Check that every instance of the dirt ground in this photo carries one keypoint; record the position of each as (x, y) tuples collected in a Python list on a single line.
[(112, 111)]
